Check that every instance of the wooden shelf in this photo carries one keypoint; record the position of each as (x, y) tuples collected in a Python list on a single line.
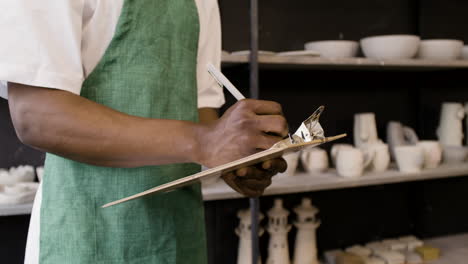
[(275, 61), (329, 180), (454, 249), (17, 209)]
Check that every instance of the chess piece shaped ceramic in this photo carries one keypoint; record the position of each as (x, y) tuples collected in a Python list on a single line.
[(305, 247), (432, 153), (278, 228), (450, 130), (380, 156), (314, 160), (351, 162), (399, 135), (292, 159), (243, 231), (410, 159), (365, 129)]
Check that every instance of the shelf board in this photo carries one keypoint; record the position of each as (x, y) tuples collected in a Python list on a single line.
[(454, 249), (329, 180), (17, 209), (274, 61)]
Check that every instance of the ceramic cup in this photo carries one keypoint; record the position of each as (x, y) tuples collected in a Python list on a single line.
[(455, 154), (335, 148), (400, 135), (432, 153), (351, 162), (314, 160), (410, 159), (365, 129), (292, 159), (450, 130), (380, 156)]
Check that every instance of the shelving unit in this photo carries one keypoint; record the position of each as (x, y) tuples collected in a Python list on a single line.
[(17, 209), (329, 180), (276, 61)]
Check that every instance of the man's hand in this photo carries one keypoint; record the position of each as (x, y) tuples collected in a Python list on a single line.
[(246, 128)]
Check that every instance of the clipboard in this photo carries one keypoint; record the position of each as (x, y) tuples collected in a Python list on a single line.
[(228, 167)]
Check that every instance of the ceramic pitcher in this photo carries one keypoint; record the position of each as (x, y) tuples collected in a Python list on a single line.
[(400, 135), (365, 129), (450, 130)]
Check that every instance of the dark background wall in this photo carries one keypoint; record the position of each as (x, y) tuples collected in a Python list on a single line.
[(348, 216)]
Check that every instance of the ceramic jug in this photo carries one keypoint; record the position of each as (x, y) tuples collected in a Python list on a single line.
[(365, 129), (399, 135), (450, 130)]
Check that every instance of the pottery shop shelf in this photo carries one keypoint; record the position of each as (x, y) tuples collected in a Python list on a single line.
[(17, 209), (329, 180), (454, 249), (275, 61)]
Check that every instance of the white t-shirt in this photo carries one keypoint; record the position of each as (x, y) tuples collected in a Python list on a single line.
[(58, 43)]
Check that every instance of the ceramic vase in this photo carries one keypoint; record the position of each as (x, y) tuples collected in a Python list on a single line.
[(243, 231), (305, 249), (365, 129), (278, 228), (450, 130), (399, 135)]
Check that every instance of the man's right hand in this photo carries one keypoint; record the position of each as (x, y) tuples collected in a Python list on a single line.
[(246, 128)]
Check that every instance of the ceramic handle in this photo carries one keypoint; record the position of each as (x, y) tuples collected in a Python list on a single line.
[(410, 135), (369, 155)]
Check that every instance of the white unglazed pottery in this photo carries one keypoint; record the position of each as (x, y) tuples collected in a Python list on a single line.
[(390, 46), (305, 247), (465, 52), (450, 130), (314, 160), (351, 162), (337, 147), (23, 173), (391, 257), (432, 153), (334, 48), (278, 228), (455, 154), (292, 160), (410, 159), (244, 253), (440, 49), (359, 250), (380, 156), (365, 129), (400, 135), (411, 242)]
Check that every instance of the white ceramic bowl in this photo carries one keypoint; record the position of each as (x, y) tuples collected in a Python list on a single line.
[(465, 52), (390, 46), (440, 49), (334, 48)]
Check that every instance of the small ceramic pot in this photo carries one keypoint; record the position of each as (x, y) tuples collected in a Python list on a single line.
[(400, 135), (314, 160), (292, 159), (410, 159), (351, 162), (432, 153), (337, 147), (381, 156)]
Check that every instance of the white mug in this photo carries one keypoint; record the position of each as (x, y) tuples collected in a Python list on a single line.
[(292, 159), (365, 129), (450, 130), (410, 159), (335, 148), (314, 160), (351, 162), (432, 153), (380, 156)]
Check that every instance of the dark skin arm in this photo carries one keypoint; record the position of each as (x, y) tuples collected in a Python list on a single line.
[(71, 126)]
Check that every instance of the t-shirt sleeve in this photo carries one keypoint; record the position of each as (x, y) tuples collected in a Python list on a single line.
[(40, 44), (210, 94)]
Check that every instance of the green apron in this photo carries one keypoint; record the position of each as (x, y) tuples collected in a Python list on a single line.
[(148, 70)]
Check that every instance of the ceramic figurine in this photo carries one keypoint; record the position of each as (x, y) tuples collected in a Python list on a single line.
[(399, 135), (292, 159), (314, 160), (278, 228), (432, 153), (450, 130), (410, 159), (244, 253), (305, 248), (351, 162), (380, 156), (365, 129)]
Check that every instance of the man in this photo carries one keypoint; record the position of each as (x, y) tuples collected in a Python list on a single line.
[(109, 90)]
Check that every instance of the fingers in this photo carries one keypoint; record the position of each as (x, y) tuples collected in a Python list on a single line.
[(275, 165), (275, 124), (261, 107)]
